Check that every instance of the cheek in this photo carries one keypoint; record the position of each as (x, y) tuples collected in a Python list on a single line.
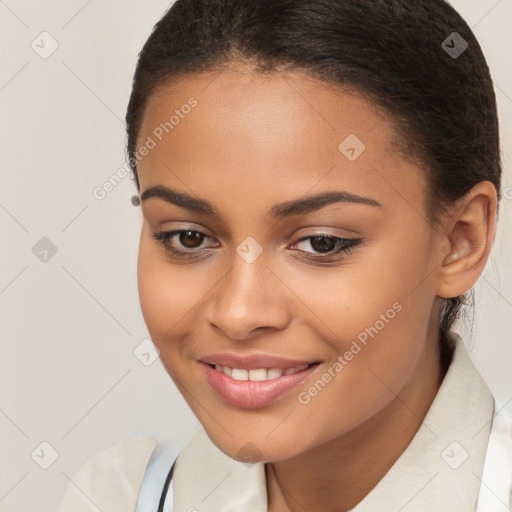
[(373, 313), (384, 288), (168, 294)]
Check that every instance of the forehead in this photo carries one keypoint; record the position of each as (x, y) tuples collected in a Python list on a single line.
[(273, 101), (271, 134)]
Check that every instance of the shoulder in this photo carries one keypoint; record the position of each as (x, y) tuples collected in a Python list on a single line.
[(111, 479)]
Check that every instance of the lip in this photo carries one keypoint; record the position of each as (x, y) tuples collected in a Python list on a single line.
[(253, 361), (254, 394)]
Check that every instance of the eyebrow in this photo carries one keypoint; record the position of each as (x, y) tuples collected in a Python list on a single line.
[(279, 210)]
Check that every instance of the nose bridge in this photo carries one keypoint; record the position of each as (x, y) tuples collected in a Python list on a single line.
[(247, 297)]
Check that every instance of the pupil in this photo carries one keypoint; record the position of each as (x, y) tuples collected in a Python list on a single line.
[(325, 245), (192, 235)]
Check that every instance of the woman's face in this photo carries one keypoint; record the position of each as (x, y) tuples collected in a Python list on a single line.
[(265, 278)]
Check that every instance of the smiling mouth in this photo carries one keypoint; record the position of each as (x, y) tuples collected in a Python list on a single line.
[(258, 374), (255, 387)]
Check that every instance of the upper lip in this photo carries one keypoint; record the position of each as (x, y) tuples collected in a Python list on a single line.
[(253, 361)]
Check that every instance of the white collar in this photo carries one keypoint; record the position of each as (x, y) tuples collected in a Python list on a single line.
[(427, 476)]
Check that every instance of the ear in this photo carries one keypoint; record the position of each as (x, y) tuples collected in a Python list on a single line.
[(468, 235)]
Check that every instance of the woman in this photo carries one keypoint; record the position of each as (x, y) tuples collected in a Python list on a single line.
[(319, 182)]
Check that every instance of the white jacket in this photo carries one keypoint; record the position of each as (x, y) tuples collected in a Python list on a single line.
[(455, 463)]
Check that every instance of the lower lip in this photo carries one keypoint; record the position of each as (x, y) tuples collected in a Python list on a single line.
[(253, 394)]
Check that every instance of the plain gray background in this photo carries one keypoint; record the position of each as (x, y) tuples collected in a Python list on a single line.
[(69, 325)]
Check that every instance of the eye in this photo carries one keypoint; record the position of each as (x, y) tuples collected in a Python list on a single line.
[(325, 244), (189, 239), (188, 244)]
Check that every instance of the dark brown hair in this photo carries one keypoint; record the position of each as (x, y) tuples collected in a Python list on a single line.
[(402, 55)]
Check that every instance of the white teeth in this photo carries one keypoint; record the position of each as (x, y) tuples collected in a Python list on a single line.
[(274, 373), (239, 374), (259, 374)]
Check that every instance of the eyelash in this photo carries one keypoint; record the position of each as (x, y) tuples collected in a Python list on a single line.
[(343, 245)]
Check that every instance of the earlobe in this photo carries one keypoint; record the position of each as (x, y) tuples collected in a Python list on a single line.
[(470, 240)]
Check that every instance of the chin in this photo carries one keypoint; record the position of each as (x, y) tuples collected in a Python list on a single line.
[(254, 450)]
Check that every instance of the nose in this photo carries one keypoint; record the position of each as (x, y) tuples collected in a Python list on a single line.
[(249, 301)]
